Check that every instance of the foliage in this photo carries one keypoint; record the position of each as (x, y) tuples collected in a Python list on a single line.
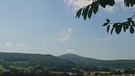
[(63, 63), (15, 72), (87, 63), (34, 61), (88, 10)]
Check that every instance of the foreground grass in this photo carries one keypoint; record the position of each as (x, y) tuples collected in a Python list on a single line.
[(20, 68), (1, 67)]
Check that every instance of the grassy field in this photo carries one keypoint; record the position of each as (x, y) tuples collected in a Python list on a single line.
[(1, 67), (20, 68)]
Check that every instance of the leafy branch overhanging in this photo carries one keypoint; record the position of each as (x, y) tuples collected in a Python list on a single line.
[(88, 10)]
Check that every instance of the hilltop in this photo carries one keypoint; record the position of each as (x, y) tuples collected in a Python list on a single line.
[(80, 60)]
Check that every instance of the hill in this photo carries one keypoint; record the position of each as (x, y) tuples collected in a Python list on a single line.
[(79, 60), (36, 61), (61, 63), (83, 61)]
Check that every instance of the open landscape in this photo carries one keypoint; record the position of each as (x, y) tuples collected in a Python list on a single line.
[(64, 65), (67, 37)]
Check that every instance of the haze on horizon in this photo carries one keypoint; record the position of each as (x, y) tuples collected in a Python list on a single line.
[(50, 27)]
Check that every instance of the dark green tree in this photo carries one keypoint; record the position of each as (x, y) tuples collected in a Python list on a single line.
[(93, 7)]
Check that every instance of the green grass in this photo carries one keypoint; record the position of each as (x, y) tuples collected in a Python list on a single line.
[(1, 67), (20, 68)]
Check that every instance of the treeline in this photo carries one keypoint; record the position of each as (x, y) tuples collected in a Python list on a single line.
[(88, 62), (31, 73), (35, 61), (62, 63)]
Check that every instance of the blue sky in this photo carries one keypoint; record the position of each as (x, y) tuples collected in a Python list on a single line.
[(50, 27)]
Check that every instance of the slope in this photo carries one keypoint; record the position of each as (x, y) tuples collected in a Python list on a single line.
[(45, 61), (83, 61)]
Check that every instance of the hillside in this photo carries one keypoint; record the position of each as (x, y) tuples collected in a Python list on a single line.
[(35, 61), (79, 60), (61, 63)]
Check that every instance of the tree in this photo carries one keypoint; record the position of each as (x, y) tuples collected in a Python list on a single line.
[(93, 7)]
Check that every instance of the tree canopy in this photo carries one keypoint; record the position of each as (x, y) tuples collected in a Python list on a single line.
[(92, 8)]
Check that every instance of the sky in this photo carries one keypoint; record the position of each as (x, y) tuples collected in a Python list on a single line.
[(50, 27)]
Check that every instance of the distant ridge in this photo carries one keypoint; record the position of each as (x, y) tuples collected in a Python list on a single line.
[(62, 62), (79, 60)]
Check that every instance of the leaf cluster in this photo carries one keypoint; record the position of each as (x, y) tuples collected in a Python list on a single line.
[(88, 10), (119, 26), (129, 3), (93, 8)]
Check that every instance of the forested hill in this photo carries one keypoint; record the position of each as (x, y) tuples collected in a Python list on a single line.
[(33, 60), (85, 61), (61, 63)]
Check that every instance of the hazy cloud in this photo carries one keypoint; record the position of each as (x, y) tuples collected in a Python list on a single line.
[(66, 35), (110, 9), (69, 51), (76, 4), (9, 44)]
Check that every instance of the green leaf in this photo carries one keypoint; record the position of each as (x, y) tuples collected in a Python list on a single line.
[(129, 3), (108, 27), (111, 2), (124, 28), (133, 23), (118, 29), (78, 13), (95, 6), (102, 3), (131, 29), (129, 19), (115, 25), (108, 21), (127, 26), (112, 30), (105, 24), (84, 14), (90, 13)]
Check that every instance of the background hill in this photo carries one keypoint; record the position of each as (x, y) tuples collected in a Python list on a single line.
[(79, 60), (35, 61), (85, 61), (64, 62)]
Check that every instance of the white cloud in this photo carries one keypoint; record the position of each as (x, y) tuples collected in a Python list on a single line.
[(66, 35), (8, 44), (76, 4), (12, 47), (69, 51), (110, 9)]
